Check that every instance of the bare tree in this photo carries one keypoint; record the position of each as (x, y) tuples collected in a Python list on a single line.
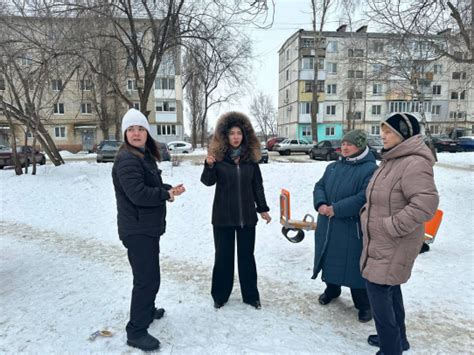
[(264, 113), (453, 20)]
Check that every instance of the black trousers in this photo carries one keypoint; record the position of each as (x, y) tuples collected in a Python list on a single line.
[(359, 295), (223, 272), (143, 254), (389, 315)]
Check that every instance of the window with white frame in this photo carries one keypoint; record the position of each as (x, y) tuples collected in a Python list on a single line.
[(438, 69), (288, 54), (26, 60), (331, 47), (305, 108), (56, 84), (359, 95), (58, 108), (436, 110), (378, 47), (164, 84), (436, 89), (135, 105), (357, 115), (86, 108), (320, 85), (434, 129), (60, 132), (287, 74), (330, 131), (331, 89), (376, 110), (306, 131), (132, 85), (321, 63), (166, 130), (331, 110), (308, 86), (307, 63), (355, 52), (307, 43), (359, 74), (456, 114), (377, 89), (332, 68), (455, 95), (85, 85), (459, 75), (377, 68), (375, 129), (165, 106)]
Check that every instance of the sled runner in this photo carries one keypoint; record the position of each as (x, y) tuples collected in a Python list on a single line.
[(293, 225), (432, 226)]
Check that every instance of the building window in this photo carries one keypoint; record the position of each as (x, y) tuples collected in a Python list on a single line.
[(85, 85), (164, 84), (287, 74), (308, 43), (58, 108), (358, 95), (288, 54), (459, 75), (26, 60), (331, 89), (377, 68), (436, 89), (436, 110), (331, 110), (320, 85), (330, 131), (307, 63), (377, 89), (331, 47), (305, 108), (56, 85), (455, 114), (321, 63), (287, 95), (375, 129), (131, 85), (332, 68), (166, 130), (359, 74), (376, 110), (165, 106), (378, 47), (306, 131), (308, 86), (86, 108), (357, 115), (135, 105), (455, 95), (438, 69), (355, 52), (60, 132), (434, 129)]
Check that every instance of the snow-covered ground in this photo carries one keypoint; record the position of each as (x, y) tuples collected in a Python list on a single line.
[(65, 274)]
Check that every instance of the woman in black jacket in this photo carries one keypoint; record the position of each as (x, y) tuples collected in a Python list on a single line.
[(232, 164), (141, 210)]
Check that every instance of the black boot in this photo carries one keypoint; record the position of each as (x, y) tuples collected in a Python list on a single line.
[(324, 299), (365, 315), (255, 304), (159, 313), (374, 341), (218, 305), (145, 343), (424, 248)]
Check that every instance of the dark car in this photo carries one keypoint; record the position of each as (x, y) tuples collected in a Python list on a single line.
[(272, 141), (375, 145), (107, 150), (164, 151), (466, 143), (24, 154), (327, 150), (264, 154), (445, 144)]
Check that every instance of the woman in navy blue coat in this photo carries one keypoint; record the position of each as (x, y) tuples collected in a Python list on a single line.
[(338, 197)]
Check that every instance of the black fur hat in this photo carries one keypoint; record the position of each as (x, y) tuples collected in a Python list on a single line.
[(404, 124)]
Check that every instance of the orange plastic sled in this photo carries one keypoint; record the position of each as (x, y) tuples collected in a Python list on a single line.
[(432, 226), (291, 224)]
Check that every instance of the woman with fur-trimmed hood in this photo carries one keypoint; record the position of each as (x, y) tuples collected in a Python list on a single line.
[(232, 165)]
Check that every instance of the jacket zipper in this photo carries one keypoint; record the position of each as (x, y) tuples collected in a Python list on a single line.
[(357, 227), (240, 197)]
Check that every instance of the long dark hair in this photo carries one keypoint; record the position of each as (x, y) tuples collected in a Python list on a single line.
[(150, 145)]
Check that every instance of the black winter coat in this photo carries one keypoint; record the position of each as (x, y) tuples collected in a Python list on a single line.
[(239, 188), (141, 195)]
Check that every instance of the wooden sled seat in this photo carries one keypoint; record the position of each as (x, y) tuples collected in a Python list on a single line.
[(307, 223), (432, 226)]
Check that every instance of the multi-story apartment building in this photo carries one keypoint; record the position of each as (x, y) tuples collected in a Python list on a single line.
[(69, 109), (362, 77)]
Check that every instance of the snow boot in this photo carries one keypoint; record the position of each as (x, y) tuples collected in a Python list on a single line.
[(424, 248), (218, 305), (159, 313), (324, 299), (365, 315), (256, 304), (374, 341), (145, 343)]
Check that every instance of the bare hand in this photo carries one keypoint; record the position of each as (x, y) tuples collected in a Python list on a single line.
[(210, 159), (330, 211), (178, 189), (170, 192), (323, 209), (266, 216)]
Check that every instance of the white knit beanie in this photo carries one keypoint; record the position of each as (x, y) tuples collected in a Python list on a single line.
[(133, 117)]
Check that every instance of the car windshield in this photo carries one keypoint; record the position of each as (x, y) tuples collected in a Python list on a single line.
[(375, 141), (111, 145)]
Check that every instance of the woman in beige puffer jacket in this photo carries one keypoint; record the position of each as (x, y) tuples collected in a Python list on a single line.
[(401, 197)]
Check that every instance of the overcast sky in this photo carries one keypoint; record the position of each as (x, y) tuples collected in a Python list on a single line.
[(290, 16)]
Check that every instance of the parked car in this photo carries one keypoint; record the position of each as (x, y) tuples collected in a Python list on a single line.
[(23, 153), (164, 151), (466, 143), (264, 153), (327, 150), (272, 141), (107, 150), (289, 146), (180, 147), (445, 144), (375, 145)]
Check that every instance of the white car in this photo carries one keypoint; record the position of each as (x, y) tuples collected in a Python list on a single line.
[(180, 147)]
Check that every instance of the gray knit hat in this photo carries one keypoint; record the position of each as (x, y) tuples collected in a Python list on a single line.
[(356, 137)]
